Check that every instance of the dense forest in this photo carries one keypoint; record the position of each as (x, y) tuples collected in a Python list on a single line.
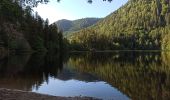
[(23, 30), (138, 25), (69, 26)]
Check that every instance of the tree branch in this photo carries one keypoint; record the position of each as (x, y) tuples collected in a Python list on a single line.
[(34, 3)]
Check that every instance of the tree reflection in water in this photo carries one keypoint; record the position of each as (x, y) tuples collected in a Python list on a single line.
[(139, 75)]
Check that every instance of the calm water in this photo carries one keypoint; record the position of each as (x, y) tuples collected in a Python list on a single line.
[(109, 76)]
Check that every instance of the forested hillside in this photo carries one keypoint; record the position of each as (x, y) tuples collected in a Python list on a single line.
[(139, 24), (22, 30), (68, 26)]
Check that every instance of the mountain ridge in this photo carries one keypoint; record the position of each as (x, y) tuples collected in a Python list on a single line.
[(68, 26), (138, 25)]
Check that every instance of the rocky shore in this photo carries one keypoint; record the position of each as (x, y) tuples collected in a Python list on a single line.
[(7, 94)]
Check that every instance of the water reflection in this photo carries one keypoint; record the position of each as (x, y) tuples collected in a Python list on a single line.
[(80, 88), (26, 71), (140, 75), (116, 75)]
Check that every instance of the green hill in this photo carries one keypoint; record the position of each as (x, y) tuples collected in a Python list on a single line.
[(70, 26), (139, 24)]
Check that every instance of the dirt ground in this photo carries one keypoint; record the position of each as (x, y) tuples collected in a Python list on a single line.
[(7, 94)]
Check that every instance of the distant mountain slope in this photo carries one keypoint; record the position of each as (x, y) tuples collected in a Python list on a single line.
[(139, 24), (75, 25)]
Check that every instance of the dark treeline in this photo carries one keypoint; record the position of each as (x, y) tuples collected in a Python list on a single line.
[(90, 39), (20, 29)]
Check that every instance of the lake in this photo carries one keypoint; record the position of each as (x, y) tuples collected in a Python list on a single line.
[(119, 75)]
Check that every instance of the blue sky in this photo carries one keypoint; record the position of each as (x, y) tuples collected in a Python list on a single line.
[(77, 9)]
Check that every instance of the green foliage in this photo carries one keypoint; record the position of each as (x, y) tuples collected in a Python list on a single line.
[(38, 44), (166, 41), (139, 24), (21, 29)]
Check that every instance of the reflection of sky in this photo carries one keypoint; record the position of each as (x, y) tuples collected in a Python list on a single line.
[(79, 88)]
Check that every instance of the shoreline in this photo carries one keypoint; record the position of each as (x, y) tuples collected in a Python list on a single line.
[(8, 94), (100, 51)]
